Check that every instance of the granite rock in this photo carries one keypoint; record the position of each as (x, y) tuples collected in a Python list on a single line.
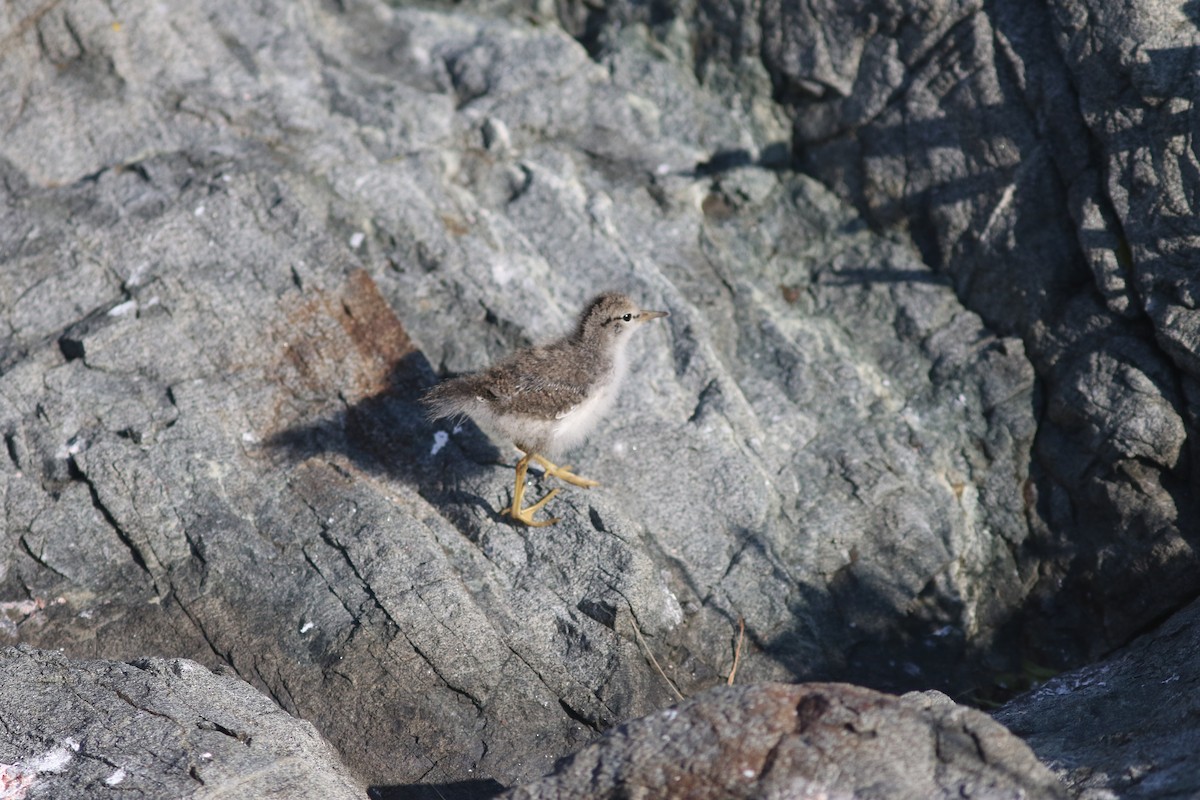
[(152, 728), (894, 428), (811, 740), (1125, 726)]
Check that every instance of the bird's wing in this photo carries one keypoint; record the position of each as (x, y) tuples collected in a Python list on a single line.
[(534, 386), (532, 395)]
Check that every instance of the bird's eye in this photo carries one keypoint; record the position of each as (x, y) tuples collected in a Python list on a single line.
[(627, 317)]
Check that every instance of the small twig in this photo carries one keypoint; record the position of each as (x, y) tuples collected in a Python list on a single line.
[(737, 652), (653, 660)]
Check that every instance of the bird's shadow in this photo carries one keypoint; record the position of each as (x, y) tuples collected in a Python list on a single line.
[(389, 435)]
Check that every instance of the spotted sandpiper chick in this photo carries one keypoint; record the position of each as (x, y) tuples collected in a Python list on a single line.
[(548, 398)]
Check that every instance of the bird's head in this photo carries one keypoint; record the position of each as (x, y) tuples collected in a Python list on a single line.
[(611, 317)]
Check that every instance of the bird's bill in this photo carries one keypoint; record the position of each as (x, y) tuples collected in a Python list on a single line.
[(649, 315)]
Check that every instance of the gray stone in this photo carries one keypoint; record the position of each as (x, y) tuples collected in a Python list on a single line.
[(236, 243), (1031, 152), (812, 740), (152, 728), (1127, 726)]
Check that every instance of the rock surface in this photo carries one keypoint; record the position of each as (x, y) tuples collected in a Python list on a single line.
[(817, 740), (153, 728), (236, 243), (209, 387), (1037, 155), (1126, 727)]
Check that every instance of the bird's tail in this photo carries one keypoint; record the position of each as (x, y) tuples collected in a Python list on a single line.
[(444, 400)]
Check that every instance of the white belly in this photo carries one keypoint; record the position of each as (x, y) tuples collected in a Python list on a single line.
[(575, 425)]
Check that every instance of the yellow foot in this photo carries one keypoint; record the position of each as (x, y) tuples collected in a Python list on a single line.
[(563, 473), (526, 514)]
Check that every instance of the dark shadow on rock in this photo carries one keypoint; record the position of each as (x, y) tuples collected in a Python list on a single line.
[(388, 434), (775, 156), (854, 630), (866, 639), (484, 789)]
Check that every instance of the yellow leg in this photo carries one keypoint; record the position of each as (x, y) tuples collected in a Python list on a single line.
[(526, 514), (563, 473)]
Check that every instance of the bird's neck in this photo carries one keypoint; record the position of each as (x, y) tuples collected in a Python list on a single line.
[(612, 355)]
